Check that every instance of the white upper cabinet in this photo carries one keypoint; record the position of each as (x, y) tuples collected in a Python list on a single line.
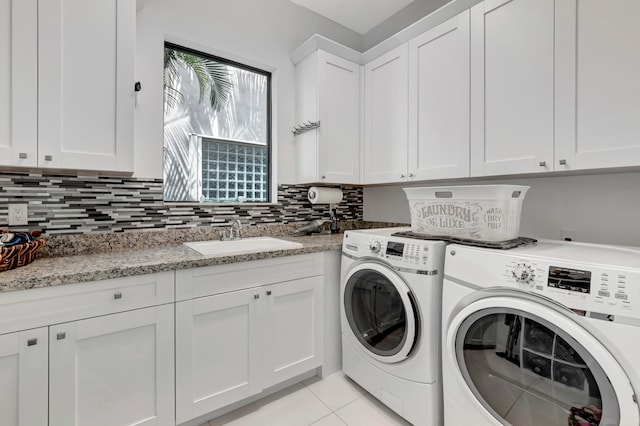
[(328, 91), (18, 88), (512, 86), (85, 84), (598, 84), (506, 87), (439, 101), (66, 84), (385, 117)]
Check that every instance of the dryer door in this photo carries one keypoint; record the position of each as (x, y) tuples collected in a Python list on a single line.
[(381, 312), (529, 362)]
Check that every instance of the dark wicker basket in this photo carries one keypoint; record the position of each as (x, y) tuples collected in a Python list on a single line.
[(20, 254)]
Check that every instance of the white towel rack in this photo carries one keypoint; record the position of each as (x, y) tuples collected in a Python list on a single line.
[(305, 127)]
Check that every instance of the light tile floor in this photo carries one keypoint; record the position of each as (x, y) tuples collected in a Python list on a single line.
[(334, 401)]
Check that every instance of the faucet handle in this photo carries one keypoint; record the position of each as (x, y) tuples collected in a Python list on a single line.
[(223, 234)]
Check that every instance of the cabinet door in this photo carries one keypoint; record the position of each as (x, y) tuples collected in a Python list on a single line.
[(339, 114), (294, 334), (439, 101), (218, 352), (307, 111), (328, 90), (85, 84), (126, 359), (18, 82), (385, 117), (512, 83), (598, 84), (23, 378)]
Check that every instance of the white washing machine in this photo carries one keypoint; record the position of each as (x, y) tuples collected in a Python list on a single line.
[(391, 289), (543, 335)]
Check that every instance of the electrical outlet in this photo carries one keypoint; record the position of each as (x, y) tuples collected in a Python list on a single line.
[(18, 214)]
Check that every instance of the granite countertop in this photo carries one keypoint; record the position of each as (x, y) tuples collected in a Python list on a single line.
[(60, 270)]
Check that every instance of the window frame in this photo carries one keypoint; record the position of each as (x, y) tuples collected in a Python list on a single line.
[(268, 72)]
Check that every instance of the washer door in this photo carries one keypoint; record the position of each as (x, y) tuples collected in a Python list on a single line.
[(381, 312), (527, 362)]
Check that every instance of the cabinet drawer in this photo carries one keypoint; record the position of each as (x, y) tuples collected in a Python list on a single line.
[(199, 282), (32, 308)]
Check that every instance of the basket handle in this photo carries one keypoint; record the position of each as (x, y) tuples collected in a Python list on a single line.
[(444, 194)]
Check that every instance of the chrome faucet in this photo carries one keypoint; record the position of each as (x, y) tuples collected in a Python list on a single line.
[(235, 231)]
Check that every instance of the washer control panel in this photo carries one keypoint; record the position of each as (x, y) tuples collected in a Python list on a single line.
[(397, 251), (594, 280), (413, 253), (583, 288), (614, 288), (523, 274)]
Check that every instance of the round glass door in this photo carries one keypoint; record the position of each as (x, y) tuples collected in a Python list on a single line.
[(528, 371), (381, 312)]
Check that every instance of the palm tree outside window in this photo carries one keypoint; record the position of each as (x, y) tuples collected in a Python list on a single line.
[(217, 129)]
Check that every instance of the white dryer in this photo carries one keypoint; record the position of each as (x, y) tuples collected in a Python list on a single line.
[(391, 289), (545, 335)]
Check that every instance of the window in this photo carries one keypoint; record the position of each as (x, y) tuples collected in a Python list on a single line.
[(217, 129)]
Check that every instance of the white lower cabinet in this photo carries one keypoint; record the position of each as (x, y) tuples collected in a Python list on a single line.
[(98, 353), (113, 370), (293, 339), (24, 378), (120, 352), (216, 355), (110, 370), (233, 345)]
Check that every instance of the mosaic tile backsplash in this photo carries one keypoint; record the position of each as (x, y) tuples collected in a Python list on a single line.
[(59, 205)]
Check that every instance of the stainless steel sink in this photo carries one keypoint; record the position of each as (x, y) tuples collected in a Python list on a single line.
[(243, 246)]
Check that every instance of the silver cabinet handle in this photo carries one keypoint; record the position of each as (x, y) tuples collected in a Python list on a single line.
[(22, 155), (61, 335), (410, 174), (563, 162), (323, 177), (48, 158), (402, 176), (256, 296), (117, 296), (268, 292), (542, 164), (32, 342)]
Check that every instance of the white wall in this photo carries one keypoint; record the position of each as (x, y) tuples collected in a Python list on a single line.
[(602, 208), (259, 32)]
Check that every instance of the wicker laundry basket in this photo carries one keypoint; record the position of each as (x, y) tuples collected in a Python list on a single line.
[(22, 254)]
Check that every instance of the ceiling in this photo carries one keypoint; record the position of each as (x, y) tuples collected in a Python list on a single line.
[(359, 15)]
